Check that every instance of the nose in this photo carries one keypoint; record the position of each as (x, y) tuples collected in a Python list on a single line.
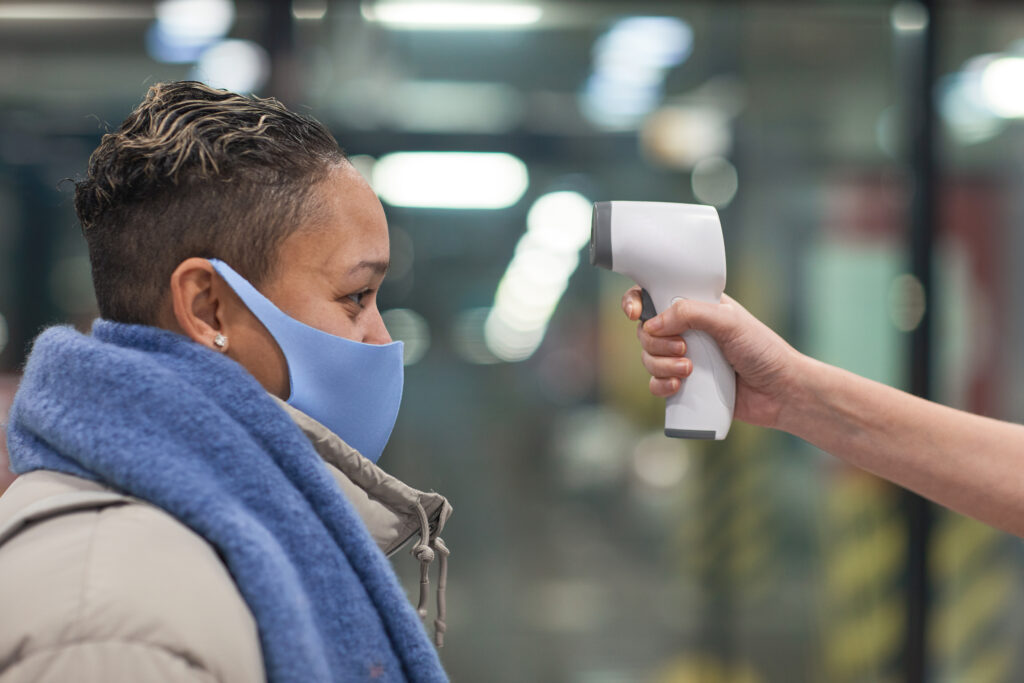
[(377, 332)]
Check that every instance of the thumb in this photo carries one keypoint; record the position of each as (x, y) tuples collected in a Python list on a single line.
[(687, 314)]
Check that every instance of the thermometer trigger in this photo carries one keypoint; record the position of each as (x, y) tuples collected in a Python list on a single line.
[(648, 310)]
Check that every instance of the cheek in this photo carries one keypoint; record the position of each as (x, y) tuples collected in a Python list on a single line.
[(334, 318), (255, 349)]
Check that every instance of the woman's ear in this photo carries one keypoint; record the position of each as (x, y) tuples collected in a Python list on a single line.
[(198, 302), (202, 306)]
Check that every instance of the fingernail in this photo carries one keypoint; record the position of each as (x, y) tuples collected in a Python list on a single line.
[(679, 348), (653, 325), (629, 309), (683, 366)]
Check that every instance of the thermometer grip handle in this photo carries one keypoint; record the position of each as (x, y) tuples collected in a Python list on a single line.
[(703, 406)]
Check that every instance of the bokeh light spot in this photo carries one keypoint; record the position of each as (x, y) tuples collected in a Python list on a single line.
[(411, 328), (906, 302), (715, 182)]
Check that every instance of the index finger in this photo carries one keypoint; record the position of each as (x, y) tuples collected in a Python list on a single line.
[(687, 314)]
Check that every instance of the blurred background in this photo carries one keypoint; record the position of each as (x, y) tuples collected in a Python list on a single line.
[(867, 161)]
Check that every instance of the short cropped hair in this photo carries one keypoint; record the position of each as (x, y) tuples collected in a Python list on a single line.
[(195, 171)]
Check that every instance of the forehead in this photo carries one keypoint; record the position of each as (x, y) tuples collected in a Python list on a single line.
[(348, 227)]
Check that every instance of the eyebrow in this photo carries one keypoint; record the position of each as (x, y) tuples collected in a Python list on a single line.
[(379, 267)]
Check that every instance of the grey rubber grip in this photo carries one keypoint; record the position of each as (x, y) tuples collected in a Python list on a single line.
[(648, 311), (601, 236), (690, 433)]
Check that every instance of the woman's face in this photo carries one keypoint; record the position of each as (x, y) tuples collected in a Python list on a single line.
[(327, 276)]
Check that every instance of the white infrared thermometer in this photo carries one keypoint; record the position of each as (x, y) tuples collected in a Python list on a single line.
[(674, 251)]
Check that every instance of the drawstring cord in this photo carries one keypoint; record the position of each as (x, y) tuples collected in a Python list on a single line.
[(425, 551), (442, 585)]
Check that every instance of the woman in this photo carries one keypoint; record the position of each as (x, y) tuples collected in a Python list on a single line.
[(175, 517)]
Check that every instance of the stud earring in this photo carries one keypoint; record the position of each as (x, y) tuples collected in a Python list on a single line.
[(220, 341)]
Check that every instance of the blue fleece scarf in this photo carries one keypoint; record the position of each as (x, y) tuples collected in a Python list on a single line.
[(157, 416)]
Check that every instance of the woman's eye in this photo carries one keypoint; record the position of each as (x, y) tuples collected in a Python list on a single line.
[(357, 298)]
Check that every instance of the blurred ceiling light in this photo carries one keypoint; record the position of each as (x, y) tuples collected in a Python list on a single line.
[(196, 21), (450, 180), (562, 220), (524, 304), (535, 254), (638, 43), (909, 16), (1002, 84), (964, 110), (411, 328), (631, 61), (714, 182), (509, 343), (73, 11), (184, 28), (238, 65), (615, 105), (451, 15), (558, 226), (309, 9), (680, 136)]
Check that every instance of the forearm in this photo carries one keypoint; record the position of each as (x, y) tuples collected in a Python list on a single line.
[(972, 464)]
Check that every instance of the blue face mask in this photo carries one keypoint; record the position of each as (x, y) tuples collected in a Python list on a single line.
[(351, 388)]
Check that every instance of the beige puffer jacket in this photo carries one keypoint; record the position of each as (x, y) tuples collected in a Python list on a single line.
[(98, 587)]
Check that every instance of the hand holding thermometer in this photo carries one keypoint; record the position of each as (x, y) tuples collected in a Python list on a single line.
[(674, 251)]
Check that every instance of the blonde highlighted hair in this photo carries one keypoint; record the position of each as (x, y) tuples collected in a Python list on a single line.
[(195, 171)]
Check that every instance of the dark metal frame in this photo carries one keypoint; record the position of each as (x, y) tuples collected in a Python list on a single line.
[(917, 77)]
